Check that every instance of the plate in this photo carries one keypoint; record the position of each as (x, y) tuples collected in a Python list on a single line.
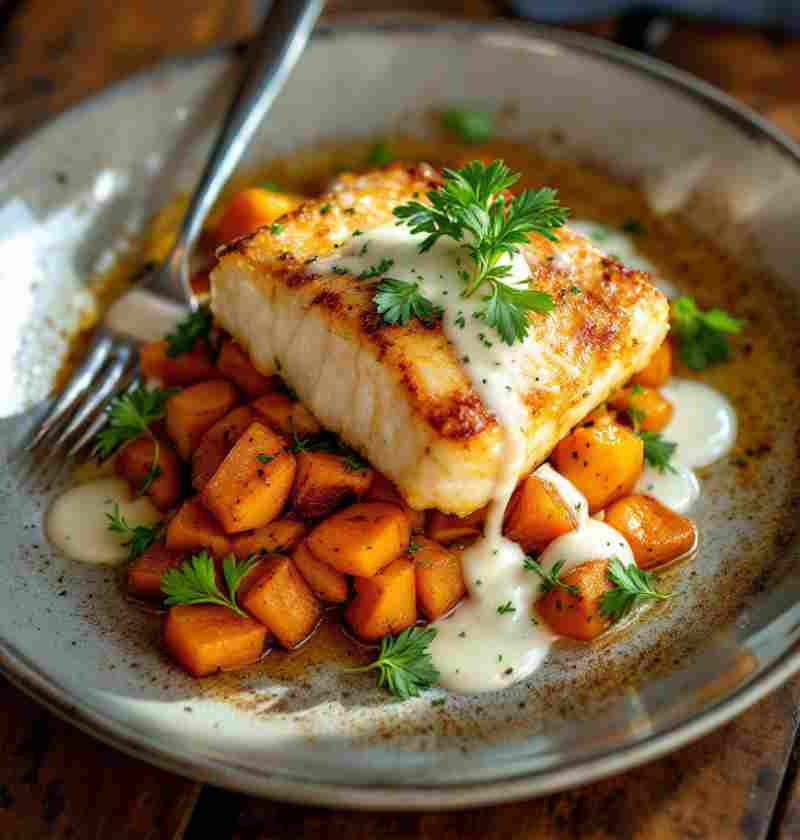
[(76, 193)]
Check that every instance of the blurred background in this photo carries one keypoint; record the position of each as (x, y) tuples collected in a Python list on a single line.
[(56, 52)]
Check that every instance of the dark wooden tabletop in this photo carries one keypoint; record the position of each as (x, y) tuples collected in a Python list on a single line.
[(740, 782)]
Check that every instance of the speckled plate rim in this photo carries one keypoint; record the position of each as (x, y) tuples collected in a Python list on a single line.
[(67, 704)]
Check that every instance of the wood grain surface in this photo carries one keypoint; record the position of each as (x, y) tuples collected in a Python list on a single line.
[(739, 783)]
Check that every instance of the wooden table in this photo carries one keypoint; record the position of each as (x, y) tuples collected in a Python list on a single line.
[(55, 782)]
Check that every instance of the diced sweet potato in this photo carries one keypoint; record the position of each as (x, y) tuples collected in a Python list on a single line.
[(644, 408), (362, 538), (447, 528), (277, 595), (251, 209), (329, 584), (658, 370), (286, 415), (279, 537), (252, 485), (537, 514), (656, 534), (217, 442), (604, 461), (193, 528), (439, 578), (325, 481), (184, 369), (383, 490), (193, 411), (386, 603), (234, 364), (578, 617), (205, 638), (146, 571), (134, 463)]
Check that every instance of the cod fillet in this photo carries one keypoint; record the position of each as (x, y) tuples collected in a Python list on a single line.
[(399, 395)]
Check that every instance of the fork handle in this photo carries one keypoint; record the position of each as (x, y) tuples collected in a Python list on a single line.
[(270, 58)]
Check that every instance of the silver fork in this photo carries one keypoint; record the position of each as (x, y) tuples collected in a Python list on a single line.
[(111, 364)]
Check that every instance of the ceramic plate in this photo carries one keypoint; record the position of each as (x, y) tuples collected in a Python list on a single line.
[(75, 193)]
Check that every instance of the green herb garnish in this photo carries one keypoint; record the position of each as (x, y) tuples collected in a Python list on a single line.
[(657, 451), (196, 327), (505, 609), (470, 208), (404, 663), (378, 270), (381, 155), (398, 301), (265, 459), (702, 336), (551, 580), (195, 582), (275, 229), (138, 538), (630, 584), (471, 126)]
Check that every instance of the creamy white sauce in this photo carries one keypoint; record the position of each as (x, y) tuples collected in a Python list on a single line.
[(77, 522), (703, 426), (622, 246), (143, 315), (493, 639)]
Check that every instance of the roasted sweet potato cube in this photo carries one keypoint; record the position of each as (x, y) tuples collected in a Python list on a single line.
[(252, 485), (279, 537), (278, 596), (250, 209), (362, 538), (447, 528), (193, 528), (217, 442), (604, 461), (234, 364), (134, 463), (656, 534), (644, 408), (537, 514), (384, 604), (578, 616), (286, 415), (658, 370), (146, 571), (193, 411), (325, 482), (205, 638), (383, 490), (439, 578), (329, 584), (184, 369)]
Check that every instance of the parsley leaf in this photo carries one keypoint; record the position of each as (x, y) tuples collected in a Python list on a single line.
[(196, 327), (471, 126), (702, 336), (130, 415), (138, 538), (470, 208), (505, 609), (550, 580), (404, 663), (398, 301), (657, 451), (377, 270), (195, 582), (630, 584), (381, 155)]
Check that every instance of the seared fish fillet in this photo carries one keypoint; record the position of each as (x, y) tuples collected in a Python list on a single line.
[(399, 394)]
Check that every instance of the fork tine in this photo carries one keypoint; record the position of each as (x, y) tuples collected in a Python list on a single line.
[(129, 382), (97, 399), (78, 383)]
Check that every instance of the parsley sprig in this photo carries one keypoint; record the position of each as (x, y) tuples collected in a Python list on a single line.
[(398, 301), (658, 452), (702, 336), (195, 327), (137, 538), (550, 580), (631, 584), (195, 582), (404, 664), (469, 124), (470, 208), (130, 416)]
